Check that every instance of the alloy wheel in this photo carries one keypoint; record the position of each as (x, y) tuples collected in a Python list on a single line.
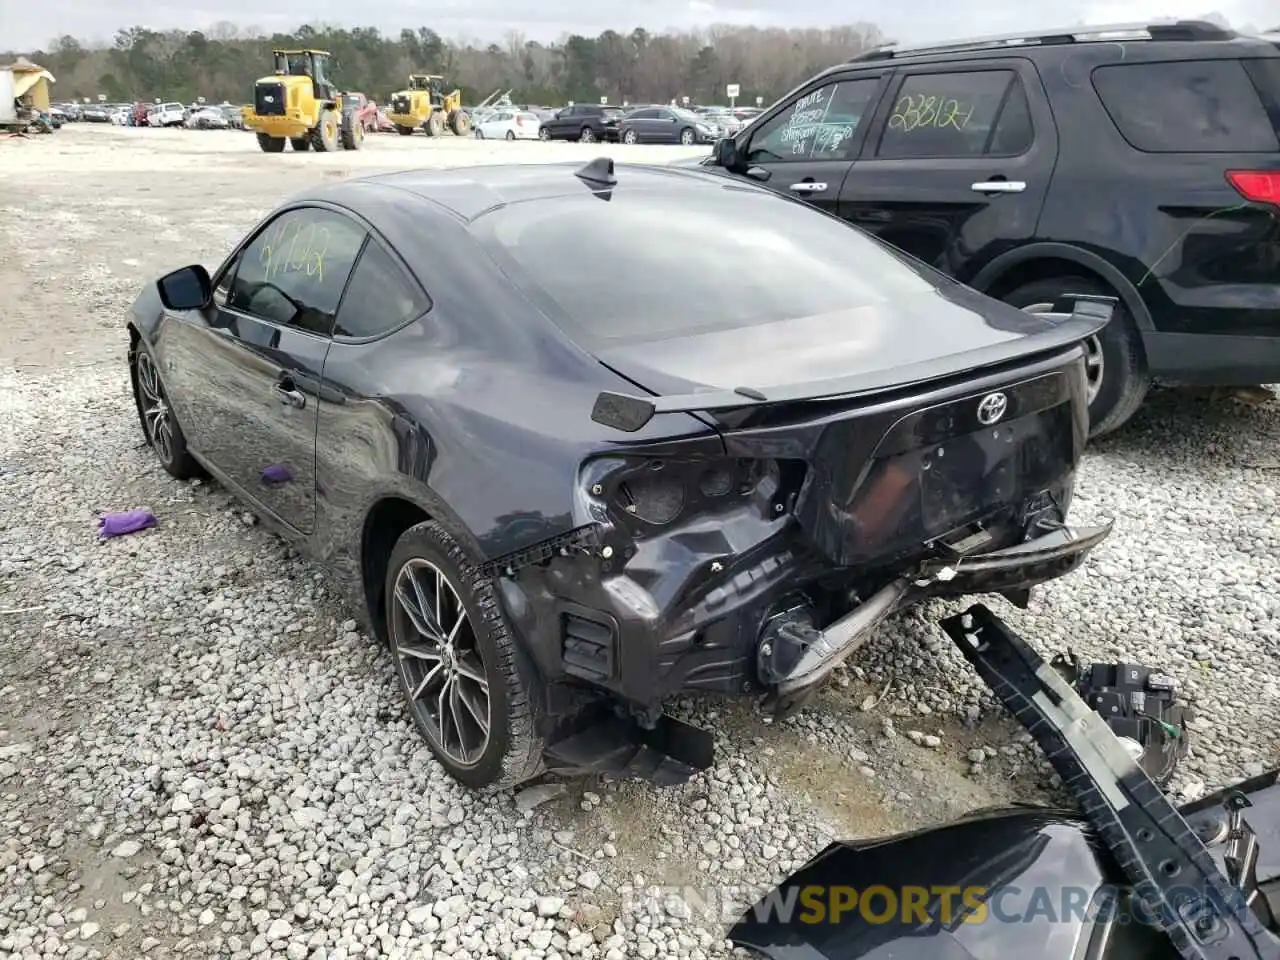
[(156, 417), (1094, 361), (440, 662)]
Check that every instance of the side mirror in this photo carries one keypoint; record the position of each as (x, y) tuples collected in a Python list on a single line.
[(187, 289), (726, 154)]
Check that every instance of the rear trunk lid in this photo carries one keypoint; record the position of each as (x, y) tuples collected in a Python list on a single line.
[(879, 346)]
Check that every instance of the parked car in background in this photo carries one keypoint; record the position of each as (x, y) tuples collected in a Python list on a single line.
[(95, 113), (208, 118), (666, 125), (233, 114), (509, 124), (1138, 163), (722, 119), (167, 115), (384, 124), (585, 122)]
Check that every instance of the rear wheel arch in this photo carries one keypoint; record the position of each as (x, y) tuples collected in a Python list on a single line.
[(383, 525), (1042, 261)]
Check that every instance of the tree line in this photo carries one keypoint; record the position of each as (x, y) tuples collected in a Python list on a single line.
[(221, 64)]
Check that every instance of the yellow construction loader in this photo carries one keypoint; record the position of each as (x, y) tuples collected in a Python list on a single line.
[(425, 104), (300, 105)]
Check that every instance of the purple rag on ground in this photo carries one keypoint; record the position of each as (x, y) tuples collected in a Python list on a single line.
[(118, 524), (278, 473)]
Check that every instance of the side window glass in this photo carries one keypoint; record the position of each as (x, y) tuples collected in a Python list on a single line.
[(380, 296), (223, 290), (294, 272), (818, 126), (1014, 132), (945, 115)]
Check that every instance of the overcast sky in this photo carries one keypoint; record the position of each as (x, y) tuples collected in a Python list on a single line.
[(24, 24)]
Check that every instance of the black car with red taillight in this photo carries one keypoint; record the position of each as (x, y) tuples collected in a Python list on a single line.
[(577, 440), (1135, 161)]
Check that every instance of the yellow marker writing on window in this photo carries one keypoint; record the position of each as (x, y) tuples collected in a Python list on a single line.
[(929, 111)]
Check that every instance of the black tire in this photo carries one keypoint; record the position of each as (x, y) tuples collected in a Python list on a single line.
[(404, 131), (325, 136), (459, 123), (544, 133), (434, 125), (300, 144), (479, 134), (511, 135), (170, 447), (630, 137), (687, 137), (1123, 381), (270, 144), (352, 135), (513, 750), (586, 135)]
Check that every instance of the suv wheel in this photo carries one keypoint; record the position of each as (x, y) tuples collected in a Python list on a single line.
[(587, 135), (1114, 366)]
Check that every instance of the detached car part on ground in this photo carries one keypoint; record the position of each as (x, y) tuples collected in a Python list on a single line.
[(566, 497), (1128, 877)]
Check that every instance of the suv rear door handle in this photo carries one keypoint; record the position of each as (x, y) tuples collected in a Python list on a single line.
[(808, 186), (999, 186)]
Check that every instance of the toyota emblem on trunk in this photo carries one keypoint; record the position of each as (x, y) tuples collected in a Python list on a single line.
[(991, 408)]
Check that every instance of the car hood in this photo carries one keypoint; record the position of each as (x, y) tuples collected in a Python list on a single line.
[(1009, 860), (878, 346)]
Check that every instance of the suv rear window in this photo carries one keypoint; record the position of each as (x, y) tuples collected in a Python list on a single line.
[(649, 265), (1190, 106)]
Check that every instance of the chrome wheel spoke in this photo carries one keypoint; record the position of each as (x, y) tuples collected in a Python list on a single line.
[(432, 674), (412, 606), (468, 666)]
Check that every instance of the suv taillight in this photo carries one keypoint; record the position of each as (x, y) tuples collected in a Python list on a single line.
[(1260, 186)]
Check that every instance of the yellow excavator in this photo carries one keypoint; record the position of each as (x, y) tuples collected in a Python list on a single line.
[(425, 104), (299, 104)]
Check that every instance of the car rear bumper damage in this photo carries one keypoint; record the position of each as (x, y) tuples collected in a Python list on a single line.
[(811, 655), (756, 558)]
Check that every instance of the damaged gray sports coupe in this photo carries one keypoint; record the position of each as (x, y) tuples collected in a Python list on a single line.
[(577, 440)]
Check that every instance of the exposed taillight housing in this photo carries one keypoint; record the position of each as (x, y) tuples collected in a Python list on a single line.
[(1260, 186), (646, 494)]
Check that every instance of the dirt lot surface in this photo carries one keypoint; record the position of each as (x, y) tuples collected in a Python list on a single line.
[(199, 756)]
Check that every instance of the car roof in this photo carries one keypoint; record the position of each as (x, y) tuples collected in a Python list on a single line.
[(1176, 40), (468, 192)]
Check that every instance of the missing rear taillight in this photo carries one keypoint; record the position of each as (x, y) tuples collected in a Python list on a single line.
[(1260, 186)]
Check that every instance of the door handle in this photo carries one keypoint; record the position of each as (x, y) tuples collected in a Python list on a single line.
[(293, 398), (808, 186), (999, 186)]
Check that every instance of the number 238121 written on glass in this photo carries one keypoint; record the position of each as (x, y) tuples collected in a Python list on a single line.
[(927, 111)]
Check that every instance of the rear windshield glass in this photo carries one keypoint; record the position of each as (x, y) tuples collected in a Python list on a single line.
[(1191, 106), (642, 265)]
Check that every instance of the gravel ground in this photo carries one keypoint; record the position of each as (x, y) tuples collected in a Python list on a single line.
[(199, 756)]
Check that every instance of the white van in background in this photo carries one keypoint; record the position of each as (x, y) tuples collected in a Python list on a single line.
[(167, 115)]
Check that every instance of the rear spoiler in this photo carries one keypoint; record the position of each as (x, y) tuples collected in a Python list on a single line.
[(1077, 316)]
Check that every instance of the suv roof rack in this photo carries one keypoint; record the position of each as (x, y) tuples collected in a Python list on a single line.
[(1185, 30)]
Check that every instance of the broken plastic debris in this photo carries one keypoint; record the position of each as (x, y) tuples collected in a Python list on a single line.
[(277, 473), (118, 524)]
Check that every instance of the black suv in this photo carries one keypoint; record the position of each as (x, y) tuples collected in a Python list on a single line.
[(1140, 161), (587, 122)]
